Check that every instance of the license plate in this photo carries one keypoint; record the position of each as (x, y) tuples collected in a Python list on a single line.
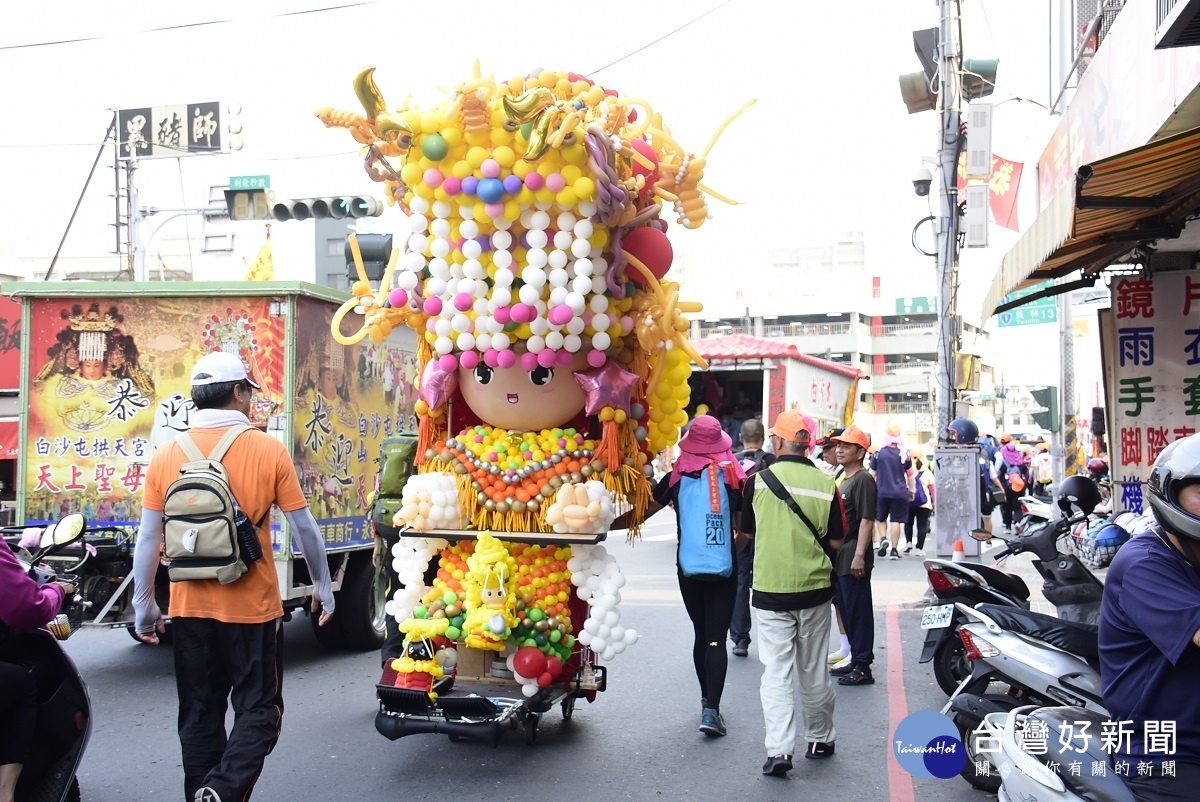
[(937, 616)]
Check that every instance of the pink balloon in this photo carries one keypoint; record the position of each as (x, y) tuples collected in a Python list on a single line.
[(491, 357), (494, 210), (626, 324), (433, 306), (534, 181), (506, 358), (448, 362), (490, 168), (529, 361), (433, 177), (564, 357), (398, 297), (452, 185), (523, 313), (561, 315), (437, 383), (463, 301), (555, 182), (597, 358), (546, 358), (469, 359), (606, 386), (503, 314)]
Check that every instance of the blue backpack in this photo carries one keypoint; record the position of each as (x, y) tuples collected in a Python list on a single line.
[(920, 497), (705, 526)]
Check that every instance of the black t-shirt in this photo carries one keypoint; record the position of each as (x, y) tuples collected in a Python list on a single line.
[(859, 497)]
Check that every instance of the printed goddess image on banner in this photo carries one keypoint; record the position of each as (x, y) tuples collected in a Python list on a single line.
[(110, 381), (348, 399)]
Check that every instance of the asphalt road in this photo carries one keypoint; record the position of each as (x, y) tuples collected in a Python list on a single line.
[(637, 741)]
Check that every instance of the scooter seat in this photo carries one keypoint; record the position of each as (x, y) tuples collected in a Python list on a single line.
[(1088, 784), (1010, 584), (1081, 640)]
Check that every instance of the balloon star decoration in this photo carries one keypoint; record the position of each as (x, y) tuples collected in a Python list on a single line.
[(534, 240)]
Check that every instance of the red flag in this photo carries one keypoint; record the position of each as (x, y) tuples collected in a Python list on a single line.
[(1003, 183)]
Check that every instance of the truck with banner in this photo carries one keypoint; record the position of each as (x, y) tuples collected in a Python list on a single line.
[(105, 379)]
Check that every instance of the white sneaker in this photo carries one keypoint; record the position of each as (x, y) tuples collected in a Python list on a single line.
[(919, 552), (835, 657), (845, 661)]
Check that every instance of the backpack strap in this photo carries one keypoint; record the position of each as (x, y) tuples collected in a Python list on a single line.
[(189, 447), (235, 431), (774, 485)]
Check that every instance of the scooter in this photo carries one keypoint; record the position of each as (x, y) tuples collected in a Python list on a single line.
[(1034, 510), (64, 709), (1044, 660), (1026, 770), (1067, 584)]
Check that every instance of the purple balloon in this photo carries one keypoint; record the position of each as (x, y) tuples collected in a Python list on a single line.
[(469, 185), (513, 184), (437, 383)]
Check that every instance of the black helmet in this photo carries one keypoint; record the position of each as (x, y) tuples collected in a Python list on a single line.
[(1080, 492), (964, 431), (1177, 465)]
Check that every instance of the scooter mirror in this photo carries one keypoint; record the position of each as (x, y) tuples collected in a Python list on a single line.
[(982, 535), (66, 531)]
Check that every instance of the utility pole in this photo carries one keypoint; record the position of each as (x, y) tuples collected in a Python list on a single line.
[(949, 137)]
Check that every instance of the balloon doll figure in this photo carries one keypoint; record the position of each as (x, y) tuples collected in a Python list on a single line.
[(553, 351)]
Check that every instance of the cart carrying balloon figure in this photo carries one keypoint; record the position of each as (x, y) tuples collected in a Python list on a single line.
[(554, 366)]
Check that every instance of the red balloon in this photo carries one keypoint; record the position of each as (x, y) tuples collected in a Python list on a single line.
[(650, 247), (529, 661), (553, 666), (652, 176), (545, 679)]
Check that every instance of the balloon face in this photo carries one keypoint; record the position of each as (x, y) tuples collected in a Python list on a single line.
[(524, 400)]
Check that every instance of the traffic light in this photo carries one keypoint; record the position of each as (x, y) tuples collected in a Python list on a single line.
[(347, 206), (1047, 397), (919, 89), (375, 249), (248, 204)]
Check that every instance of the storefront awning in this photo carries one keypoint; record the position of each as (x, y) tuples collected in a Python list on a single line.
[(744, 348), (10, 431), (1109, 207)]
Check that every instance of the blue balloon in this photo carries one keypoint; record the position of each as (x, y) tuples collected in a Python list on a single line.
[(490, 190)]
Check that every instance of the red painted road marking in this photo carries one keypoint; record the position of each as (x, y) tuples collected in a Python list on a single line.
[(900, 786)]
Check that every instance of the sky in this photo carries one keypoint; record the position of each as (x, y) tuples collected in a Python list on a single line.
[(828, 148)]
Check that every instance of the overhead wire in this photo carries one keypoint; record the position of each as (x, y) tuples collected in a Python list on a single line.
[(659, 39)]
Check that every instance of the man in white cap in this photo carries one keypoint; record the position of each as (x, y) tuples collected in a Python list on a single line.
[(228, 638)]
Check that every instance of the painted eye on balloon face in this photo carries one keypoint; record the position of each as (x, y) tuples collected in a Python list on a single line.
[(483, 373), (541, 376)]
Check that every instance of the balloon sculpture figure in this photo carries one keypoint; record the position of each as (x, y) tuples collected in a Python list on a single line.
[(554, 351)]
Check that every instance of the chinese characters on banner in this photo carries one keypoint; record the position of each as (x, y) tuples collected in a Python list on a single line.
[(1152, 347), (169, 130), (110, 382), (348, 399)]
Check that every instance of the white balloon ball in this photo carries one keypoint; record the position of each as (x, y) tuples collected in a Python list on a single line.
[(619, 580), (618, 631), (583, 267), (500, 342), (557, 258), (440, 208), (608, 653), (599, 644), (529, 690), (611, 618), (539, 325), (435, 287), (539, 221), (440, 247), (536, 257), (576, 301), (558, 296), (533, 276), (440, 228), (529, 294), (572, 343), (418, 223), (574, 564), (502, 258), (501, 240), (583, 229), (583, 592), (583, 208), (504, 277), (576, 325), (601, 321), (465, 341), (468, 229), (443, 327), (631, 636), (536, 239), (618, 646), (443, 345), (407, 280), (584, 637), (535, 344), (559, 277), (418, 208), (417, 243), (554, 340), (604, 631), (591, 625), (565, 221), (563, 240), (501, 296), (601, 341)]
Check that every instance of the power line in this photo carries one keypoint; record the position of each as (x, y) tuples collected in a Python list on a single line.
[(184, 25), (659, 39)]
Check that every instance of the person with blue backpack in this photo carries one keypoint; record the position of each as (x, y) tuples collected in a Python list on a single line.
[(704, 487), (921, 507)]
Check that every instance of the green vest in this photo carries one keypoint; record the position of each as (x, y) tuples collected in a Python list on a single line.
[(787, 556)]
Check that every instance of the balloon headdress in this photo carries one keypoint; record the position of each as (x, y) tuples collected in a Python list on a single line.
[(535, 242)]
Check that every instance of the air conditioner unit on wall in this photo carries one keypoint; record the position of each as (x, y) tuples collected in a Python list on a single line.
[(977, 215), (979, 141)]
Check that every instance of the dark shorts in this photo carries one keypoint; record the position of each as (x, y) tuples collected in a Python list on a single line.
[(894, 509)]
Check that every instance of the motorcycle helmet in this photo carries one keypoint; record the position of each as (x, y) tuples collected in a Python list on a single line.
[(1079, 492), (1097, 467), (964, 432), (1177, 465)]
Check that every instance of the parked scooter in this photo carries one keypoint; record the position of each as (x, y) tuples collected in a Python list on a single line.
[(1044, 661), (1026, 771), (64, 710), (1067, 583)]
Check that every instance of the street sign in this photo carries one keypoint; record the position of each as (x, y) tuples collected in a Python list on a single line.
[(1043, 310), (240, 182), (916, 306), (172, 130)]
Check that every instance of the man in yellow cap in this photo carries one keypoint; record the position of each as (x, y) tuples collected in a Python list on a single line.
[(794, 514)]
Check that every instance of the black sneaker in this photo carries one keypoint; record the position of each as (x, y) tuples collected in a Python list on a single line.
[(845, 670), (777, 765), (741, 648), (883, 548), (861, 675), (207, 794), (818, 751), (712, 723)]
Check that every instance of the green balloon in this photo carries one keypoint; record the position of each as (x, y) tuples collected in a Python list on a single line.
[(420, 611), (536, 615), (526, 130), (541, 640), (453, 633), (530, 642), (570, 641), (456, 621), (450, 597), (434, 147), (555, 635)]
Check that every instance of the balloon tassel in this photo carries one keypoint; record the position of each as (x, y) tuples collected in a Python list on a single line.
[(609, 448), (424, 438)]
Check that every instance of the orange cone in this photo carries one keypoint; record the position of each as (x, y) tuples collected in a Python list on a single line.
[(960, 554)]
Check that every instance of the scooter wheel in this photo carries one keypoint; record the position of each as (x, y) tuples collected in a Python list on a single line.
[(989, 782), (950, 665), (531, 728)]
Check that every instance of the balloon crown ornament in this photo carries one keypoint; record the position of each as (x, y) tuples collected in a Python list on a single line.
[(553, 347)]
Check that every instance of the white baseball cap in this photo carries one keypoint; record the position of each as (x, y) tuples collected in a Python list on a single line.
[(218, 368)]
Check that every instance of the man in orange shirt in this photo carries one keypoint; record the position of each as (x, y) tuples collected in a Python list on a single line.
[(228, 638)]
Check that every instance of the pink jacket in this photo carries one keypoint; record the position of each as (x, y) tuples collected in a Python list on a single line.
[(22, 603)]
